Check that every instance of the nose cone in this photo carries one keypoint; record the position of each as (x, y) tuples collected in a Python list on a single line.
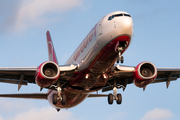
[(127, 23), (122, 26)]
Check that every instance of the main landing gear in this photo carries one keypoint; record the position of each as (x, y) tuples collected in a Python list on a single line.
[(115, 96), (59, 96)]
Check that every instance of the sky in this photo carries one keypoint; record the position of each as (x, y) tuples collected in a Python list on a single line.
[(23, 26)]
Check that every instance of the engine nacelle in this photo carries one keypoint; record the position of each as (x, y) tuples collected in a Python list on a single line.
[(47, 74), (144, 74)]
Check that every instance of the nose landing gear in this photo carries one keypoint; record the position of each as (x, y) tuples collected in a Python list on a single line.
[(121, 47), (120, 57)]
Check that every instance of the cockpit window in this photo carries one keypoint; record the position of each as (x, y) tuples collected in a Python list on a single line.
[(127, 15), (118, 15)]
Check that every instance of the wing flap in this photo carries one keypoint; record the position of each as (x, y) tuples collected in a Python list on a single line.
[(163, 80)]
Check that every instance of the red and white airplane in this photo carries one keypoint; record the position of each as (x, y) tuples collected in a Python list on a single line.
[(90, 68)]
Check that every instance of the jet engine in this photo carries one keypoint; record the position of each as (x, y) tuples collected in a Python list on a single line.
[(47, 74), (144, 74)]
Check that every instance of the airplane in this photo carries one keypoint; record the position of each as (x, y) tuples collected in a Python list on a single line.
[(92, 67)]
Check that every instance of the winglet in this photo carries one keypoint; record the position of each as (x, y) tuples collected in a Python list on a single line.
[(51, 51)]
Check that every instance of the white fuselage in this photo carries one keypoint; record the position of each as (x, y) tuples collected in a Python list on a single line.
[(99, 36), (95, 55)]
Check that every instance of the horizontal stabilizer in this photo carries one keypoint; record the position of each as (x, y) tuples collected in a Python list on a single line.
[(28, 95)]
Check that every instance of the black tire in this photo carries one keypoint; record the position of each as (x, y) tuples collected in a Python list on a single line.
[(122, 59), (63, 101), (110, 99), (54, 99), (119, 99), (117, 59)]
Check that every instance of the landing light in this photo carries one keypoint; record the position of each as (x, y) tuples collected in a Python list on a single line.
[(105, 76), (87, 76)]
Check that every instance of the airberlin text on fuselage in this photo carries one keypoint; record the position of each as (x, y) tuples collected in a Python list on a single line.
[(85, 42)]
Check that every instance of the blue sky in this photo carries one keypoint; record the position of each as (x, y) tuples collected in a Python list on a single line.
[(23, 25)]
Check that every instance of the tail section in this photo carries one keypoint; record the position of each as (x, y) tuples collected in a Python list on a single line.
[(51, 51)]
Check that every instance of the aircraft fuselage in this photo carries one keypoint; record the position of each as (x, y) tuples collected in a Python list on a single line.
[(95, 57)]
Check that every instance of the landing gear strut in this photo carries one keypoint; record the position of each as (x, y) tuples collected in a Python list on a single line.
[(59, 96), (120, 57), (115, 96)]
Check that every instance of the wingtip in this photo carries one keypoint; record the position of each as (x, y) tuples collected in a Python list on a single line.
[(47, 32)]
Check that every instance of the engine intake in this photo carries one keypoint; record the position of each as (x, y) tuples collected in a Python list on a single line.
[(50, 70), (47, 74), (144, 74)]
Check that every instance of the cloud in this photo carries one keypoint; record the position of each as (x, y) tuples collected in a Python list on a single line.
[(45, 113), (25, 110), (158, 114), (8, 11), (21, 105), (21, 14), (117, 115), (1, 118)]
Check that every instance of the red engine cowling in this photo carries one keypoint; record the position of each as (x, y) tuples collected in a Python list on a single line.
[(144, 74), (47, 74)]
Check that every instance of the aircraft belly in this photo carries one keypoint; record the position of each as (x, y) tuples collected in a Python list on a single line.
[(97, 64), (72, 99)]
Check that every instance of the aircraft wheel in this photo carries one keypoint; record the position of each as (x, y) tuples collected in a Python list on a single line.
[(63, 101), (117, 59), (110, 99), (122, 59), (54, 99), (119, 99)]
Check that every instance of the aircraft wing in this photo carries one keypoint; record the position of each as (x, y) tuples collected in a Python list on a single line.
[(25, 75), (124, 76)]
